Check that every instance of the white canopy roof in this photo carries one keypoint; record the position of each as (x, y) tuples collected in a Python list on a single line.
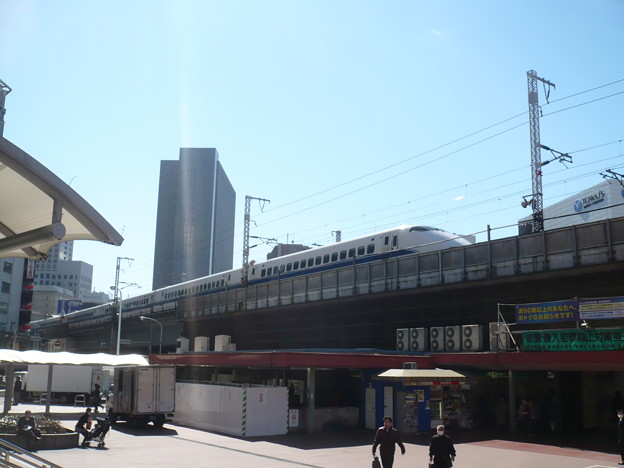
[(39, 210), (407, 374), (41, 357)]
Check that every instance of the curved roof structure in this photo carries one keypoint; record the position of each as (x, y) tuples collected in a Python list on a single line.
[(39, 210), (41, 357)]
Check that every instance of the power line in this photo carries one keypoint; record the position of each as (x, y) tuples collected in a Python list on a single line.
[(148, 264)]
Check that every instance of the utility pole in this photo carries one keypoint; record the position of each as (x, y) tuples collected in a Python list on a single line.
[(118, 269), (536, 200), (246, 227), (117, 301)]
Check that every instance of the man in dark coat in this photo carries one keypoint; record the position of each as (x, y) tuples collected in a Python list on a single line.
[(441, 450), (27, 427), (17, 391), (620, 433), (386, 436)]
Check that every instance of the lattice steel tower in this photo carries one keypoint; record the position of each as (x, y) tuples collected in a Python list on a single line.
[(536, 201)]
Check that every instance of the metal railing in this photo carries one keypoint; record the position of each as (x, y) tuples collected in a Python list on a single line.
[(21, 457)]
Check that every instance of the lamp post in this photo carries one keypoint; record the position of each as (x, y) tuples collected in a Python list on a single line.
[(119, 322), (118, 290), (142, 317)]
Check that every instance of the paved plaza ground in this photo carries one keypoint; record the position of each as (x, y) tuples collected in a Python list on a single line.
[(176, 446)]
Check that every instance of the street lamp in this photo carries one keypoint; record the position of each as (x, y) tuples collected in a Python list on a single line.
[(118, 289), (142, 317)]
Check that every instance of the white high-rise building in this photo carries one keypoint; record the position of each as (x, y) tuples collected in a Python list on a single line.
[(61, 271), (11, 272)]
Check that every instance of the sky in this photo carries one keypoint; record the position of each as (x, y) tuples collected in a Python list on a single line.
[(353, 116)]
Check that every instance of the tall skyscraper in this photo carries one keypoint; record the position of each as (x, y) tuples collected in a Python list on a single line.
[(195, 219)]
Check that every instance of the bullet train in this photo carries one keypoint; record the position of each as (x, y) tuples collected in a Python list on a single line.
[(403, 240)]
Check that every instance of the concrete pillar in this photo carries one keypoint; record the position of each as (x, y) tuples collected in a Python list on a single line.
[(311, 399), (49, 391), (8, 392), (512, 402)]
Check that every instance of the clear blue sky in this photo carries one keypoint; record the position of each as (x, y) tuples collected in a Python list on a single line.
[(326, 108)]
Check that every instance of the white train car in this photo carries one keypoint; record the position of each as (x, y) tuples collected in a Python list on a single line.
[(301, 267)]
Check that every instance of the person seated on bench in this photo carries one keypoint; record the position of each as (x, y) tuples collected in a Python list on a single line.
[(27, 427)]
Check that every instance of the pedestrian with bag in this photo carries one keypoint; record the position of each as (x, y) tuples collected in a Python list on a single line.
[(441, 450), (386, 437)]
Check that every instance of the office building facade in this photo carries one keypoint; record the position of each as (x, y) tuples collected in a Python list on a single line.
[(60, 270), (195, 219)]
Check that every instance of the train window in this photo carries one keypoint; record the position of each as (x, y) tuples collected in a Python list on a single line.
[(387, 240), (343, 254), (253, 271), (395, 241), (310, 262), (351, 253), (370, 248), (334, 256), (296, 265), (317, 261), (281, 269), (262, 273), (222, 282), (326, 258), (361, 250), (289, 267)]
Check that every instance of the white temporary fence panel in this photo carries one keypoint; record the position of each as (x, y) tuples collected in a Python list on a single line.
[(240, 411)]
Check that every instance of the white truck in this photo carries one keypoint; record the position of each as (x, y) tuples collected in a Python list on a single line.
[(67, 381), (143, 394)]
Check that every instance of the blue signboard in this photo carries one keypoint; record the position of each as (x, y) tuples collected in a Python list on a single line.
[(65, 306), (541, 312), (601, 308)]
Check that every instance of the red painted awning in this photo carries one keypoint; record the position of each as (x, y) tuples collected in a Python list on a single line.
[(299, 359), (521, 361)]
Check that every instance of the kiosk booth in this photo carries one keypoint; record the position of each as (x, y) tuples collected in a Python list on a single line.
[(419, 399)]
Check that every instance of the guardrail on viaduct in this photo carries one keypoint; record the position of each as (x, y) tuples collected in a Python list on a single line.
[(560, 249)]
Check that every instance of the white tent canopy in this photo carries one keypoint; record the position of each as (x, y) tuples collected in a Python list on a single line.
[(39, 210), (9, 356)]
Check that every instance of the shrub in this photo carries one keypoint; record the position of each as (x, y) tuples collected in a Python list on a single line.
[(8, 424)]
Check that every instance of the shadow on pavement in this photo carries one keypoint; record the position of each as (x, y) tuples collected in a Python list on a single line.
[(596, 440), (143, 431)]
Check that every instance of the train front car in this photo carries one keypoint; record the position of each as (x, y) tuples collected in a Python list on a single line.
[(421, 239)]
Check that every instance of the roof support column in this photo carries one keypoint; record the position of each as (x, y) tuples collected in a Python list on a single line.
[(311, 399), (49, 391), (8, 391)]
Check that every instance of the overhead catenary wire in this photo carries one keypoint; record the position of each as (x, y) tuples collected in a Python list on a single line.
[(149, 264)]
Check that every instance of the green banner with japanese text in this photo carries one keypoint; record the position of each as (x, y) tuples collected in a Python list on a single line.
[(573, 340)]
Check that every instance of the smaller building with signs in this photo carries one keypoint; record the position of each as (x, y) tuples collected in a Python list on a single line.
[(597, 203)]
